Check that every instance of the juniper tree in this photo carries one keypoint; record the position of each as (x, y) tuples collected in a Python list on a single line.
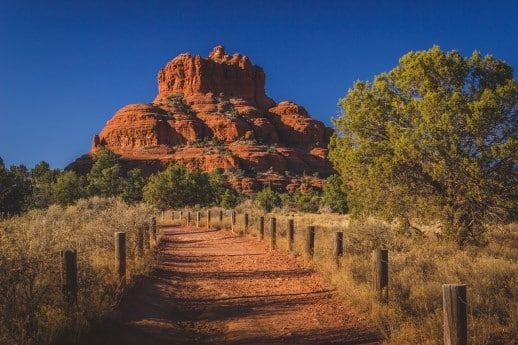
[(435, 138)]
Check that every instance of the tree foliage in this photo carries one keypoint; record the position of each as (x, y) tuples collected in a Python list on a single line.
[(69, 188), (434, 138), (104, 178), (334, 194), (177, 187), (132, 187), (268, 199)]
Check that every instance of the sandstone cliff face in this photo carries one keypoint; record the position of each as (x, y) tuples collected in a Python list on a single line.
[(213, 113)]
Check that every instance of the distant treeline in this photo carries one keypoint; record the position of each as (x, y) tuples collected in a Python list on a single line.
[(22, 189)]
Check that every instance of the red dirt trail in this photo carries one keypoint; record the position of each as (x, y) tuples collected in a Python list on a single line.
[(215, 287)]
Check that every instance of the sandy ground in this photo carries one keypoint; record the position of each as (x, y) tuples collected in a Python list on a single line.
[(215, 287)]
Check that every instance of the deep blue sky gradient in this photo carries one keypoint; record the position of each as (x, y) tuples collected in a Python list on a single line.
[(67, 66)]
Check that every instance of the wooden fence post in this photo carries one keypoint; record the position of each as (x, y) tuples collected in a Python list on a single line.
[(339, 247), (454, 303), (233, 220), (188, 218), (208, 219), (181, 215), (261, 228), (220, 217), (380, 274), (147, 244), (69, 275), (120, 256), (246, 221), (140, 241), (198, 217), (153, 233), (273, 233), (310, 242), (291, 234), (172, 215)]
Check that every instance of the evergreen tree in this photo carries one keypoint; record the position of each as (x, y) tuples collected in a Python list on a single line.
[(69, 188), (268, 199), (433, 139), (104, 177), (334, 194), (133, 186)]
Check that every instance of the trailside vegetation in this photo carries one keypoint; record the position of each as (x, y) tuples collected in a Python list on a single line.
[(434, 139)]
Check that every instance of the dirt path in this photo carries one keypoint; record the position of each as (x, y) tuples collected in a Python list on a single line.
[(214, 287)]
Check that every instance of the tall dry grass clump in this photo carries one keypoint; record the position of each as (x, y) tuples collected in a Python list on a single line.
[(32, 307), (419, 263)]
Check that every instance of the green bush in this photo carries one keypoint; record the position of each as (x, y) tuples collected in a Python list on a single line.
[(268, 199)]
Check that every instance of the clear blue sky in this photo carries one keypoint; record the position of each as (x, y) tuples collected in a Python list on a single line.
[(67, 66)]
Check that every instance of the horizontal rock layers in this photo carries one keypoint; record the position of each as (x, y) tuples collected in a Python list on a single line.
[(213, 113)]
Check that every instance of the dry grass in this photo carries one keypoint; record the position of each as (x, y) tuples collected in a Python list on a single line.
[(32, 309), (419, 265)]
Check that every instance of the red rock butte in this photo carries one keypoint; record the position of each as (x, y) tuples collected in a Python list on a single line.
[(214, 113)]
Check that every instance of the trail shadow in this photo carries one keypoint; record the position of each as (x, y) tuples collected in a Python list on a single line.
[(179, 303)]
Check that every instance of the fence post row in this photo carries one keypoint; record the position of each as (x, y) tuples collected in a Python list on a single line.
[(455, 314), (208, 219), (69, 275), (339, 247), (291, 234), (120, 256), (273, 233), (380, 274), (310, 242)]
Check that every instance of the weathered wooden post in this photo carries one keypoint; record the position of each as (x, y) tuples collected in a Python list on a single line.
[(120, 256), (198, 217), (454, 301), (172, 215), (140, 241), (69, 275), (339, 248), (273, 233), (188, 218), (233, 220), (310, 242), (153, 234), (146, 235), (291, 234), (380, 274), (220, 217), (208, 219), (181, 215), (162, 216), (246, 220), (261, 228)]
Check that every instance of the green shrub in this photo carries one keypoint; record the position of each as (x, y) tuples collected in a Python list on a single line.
[(268, 199)]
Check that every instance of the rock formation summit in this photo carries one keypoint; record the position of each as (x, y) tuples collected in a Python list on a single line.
[(214, 113)]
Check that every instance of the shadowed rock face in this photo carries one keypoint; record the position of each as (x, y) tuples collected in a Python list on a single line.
[(213, 113)]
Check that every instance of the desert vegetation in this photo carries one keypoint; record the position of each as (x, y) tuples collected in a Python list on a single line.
[(33, 309), (419, 263), (425, 161)]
